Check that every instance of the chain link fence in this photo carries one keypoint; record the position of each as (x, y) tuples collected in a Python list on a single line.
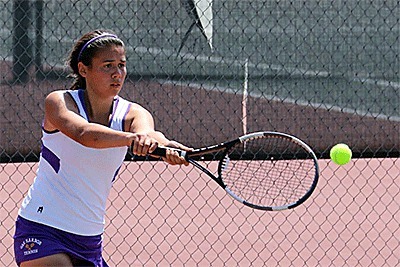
[(325, 71)]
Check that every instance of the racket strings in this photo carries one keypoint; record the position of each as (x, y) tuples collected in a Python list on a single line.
[(269, 171)]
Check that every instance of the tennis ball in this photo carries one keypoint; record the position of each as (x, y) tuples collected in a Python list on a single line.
[(340, 154)]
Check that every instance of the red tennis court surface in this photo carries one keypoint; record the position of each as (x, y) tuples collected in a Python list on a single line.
[(170, 215)]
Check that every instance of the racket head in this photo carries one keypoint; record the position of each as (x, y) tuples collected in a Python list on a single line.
[(269, 171)]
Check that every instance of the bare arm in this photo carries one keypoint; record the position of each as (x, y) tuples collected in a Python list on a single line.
[(61, 114)]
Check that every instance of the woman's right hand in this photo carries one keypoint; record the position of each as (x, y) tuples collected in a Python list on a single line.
[(143, 144)]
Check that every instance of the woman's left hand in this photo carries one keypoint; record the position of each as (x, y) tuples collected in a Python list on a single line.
[(172, 157)]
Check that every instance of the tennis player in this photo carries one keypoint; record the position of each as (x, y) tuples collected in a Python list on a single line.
[(86, 133)]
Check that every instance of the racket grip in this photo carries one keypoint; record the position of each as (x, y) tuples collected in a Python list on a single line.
[(162, 151)]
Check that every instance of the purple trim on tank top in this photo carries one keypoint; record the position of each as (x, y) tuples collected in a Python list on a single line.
[(49, 132), (51, 158), (124, 118), (82, 99), (81, 94), (116, 173)]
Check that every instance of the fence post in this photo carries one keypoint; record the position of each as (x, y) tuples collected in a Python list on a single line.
[(39, 38), (22, 45)]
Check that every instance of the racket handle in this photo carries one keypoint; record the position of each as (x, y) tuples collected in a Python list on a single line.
[(159, 151), (162, 151)]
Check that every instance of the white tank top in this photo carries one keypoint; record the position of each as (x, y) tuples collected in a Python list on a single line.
[(73, 181)]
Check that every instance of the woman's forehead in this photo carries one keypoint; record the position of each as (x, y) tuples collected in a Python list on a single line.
[(111, 52)]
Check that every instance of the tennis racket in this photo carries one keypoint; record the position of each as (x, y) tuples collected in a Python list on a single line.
[(264, 170)]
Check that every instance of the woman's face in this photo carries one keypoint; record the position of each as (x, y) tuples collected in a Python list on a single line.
[(106, 75)]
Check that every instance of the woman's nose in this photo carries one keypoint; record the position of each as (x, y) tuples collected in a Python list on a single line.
[(117, 73)]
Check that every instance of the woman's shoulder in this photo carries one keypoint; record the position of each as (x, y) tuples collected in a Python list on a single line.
[(61, 93), (133, 109), (132, 105), (64, 97)]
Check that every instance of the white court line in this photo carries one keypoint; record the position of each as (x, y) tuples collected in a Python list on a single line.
[(291, 71), (315, 105)]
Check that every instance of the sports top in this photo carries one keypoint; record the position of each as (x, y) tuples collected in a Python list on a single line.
[(73, 182)]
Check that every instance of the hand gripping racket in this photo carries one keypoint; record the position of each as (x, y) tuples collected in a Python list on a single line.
[(263, 170)]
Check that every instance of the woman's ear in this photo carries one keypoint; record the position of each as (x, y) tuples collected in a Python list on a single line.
[(82, 69)]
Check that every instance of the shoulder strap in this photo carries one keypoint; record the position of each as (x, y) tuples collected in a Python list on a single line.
[(77, 95)]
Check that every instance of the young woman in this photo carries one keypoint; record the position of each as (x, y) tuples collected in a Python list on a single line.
[(86, 133)]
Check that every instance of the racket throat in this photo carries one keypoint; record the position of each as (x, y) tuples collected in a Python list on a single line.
[(206, 171)]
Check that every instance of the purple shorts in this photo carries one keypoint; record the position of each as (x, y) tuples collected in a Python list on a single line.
[(34, 240)]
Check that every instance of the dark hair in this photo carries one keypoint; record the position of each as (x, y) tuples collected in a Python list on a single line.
[(85, 49)]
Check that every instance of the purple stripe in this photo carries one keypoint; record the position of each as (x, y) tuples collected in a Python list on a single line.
[(81, 94), (116, 173), (51, 158), (124, 118)]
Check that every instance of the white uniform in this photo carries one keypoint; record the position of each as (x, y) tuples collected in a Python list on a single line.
[(73, 181)]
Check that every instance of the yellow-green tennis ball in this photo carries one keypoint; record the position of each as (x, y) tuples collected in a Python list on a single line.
[(341, 154)]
